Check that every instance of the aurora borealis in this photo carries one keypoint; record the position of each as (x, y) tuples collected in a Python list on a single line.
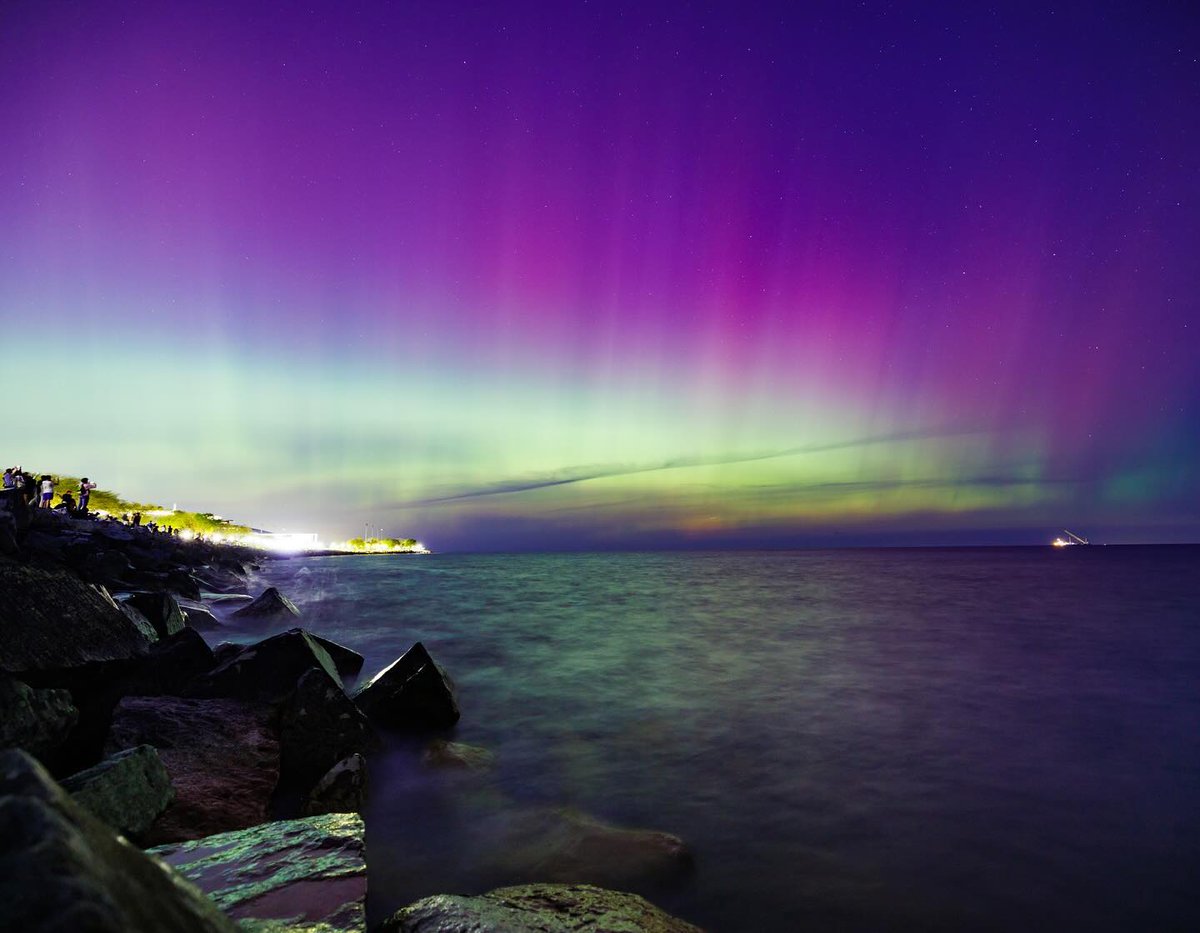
[(610, 274)]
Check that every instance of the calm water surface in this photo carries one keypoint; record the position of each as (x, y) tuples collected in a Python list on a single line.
[(849, 740)]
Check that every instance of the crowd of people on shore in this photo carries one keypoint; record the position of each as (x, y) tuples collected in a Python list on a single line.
[(39, 493)]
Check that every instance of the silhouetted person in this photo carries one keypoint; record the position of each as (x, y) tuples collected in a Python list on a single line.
[(137, 519), (68, 503), (47, 487), (85, 493)]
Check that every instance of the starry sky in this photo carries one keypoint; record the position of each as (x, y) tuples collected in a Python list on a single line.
[(610, 275)]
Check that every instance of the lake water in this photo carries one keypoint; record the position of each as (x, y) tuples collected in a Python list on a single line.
[(993, 739)]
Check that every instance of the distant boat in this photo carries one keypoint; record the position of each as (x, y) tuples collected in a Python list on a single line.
[(1070, 540)]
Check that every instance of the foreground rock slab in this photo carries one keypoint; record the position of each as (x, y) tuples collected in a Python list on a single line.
[(307, 873), (53, 621), (63, 870), (127, 791), (222, 756), (411, 694), (536, 908)]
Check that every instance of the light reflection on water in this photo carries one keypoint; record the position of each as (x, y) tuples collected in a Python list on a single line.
[(859, 740)]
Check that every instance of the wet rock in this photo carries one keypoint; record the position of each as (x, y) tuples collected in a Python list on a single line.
[(62, 870), (319, 727), (411, 694), (183, 583), (271, 606), (161, 610), (38, 721), (307, 874), (347, 661), (202, 620), (455, 755), (127, 791), (343, 789), (536, 908), (267, 670), (222, 757), (569, 847), (171, 665), (53, 621)]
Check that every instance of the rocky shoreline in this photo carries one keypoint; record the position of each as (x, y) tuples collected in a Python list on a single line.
[(157, 777)]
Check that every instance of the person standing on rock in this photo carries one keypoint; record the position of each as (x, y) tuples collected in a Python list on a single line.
[(85, 493), (47, 491), (9, 481)]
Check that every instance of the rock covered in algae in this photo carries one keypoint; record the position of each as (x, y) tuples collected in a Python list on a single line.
[(127, 790), (306, 874), (536, 908)]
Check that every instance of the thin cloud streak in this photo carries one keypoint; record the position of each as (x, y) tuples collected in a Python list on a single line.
[(572, 475)]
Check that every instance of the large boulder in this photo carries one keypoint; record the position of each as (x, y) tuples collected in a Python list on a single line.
[(305, 874), (348, 661), (161, 610), (64, 871), (127, 790), (319, 726), (411, 694), (343, 789), (569, 847), (271, 606), (222, 757), (51, 621), (38, 721), (268, 669), (536, 908)]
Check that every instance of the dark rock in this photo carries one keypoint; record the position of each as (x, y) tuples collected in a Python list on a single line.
[(536, 908), (171, 665), (142, 623), (161, 610), (106, 566), (38, 721), (226, 650), (442, 754), (222, 756), (411, 694), (306, 875), (52, 621), (183, 583), (348, 661), (267, 670), (570, 847), (318, 728), (64, 871), (127, 790), (343, 789), (202, 620), (270, 606)]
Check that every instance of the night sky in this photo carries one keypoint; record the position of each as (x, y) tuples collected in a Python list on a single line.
[(567, 275)]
